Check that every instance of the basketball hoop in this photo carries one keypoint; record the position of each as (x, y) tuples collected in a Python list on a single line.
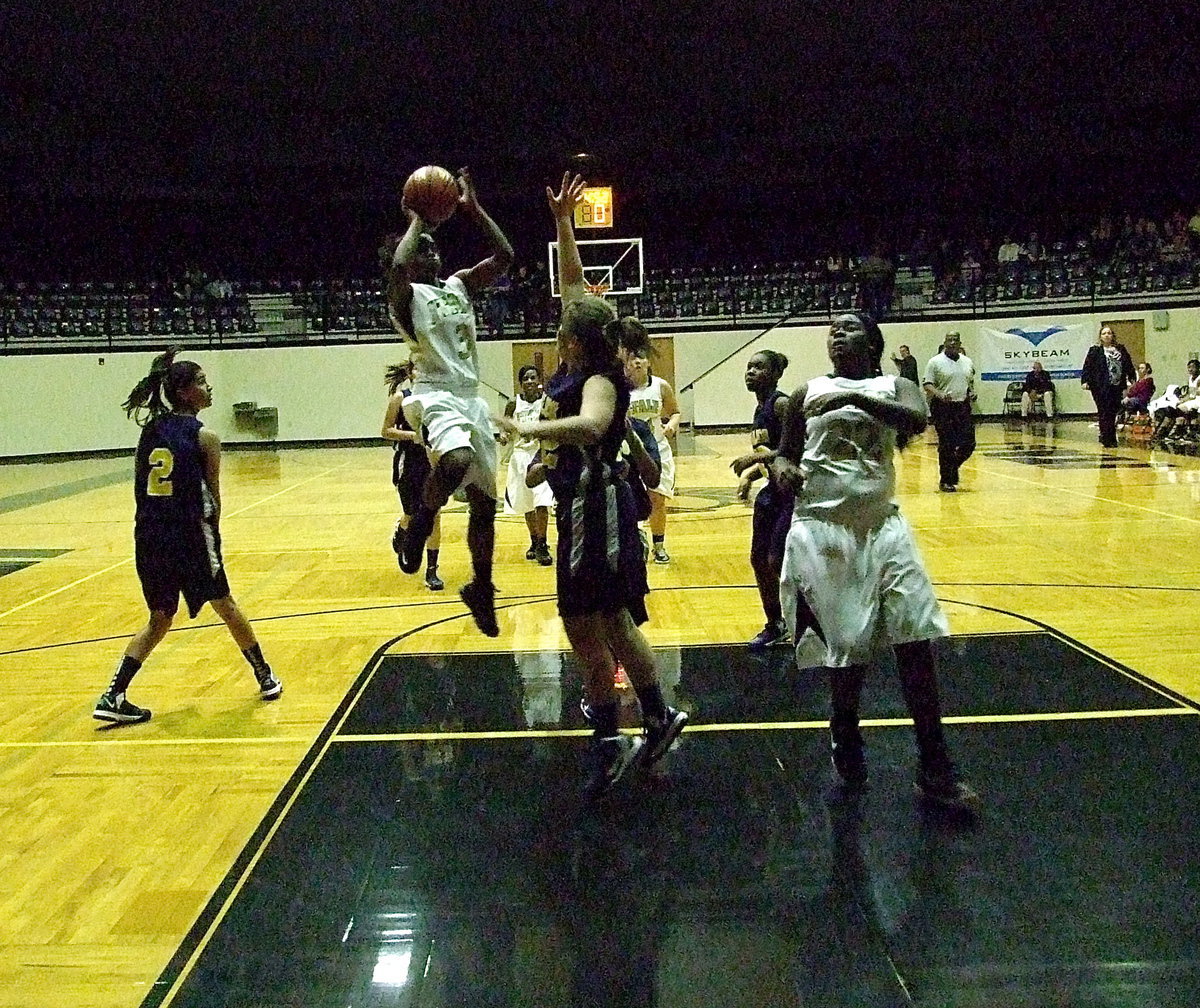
[(598, 289)]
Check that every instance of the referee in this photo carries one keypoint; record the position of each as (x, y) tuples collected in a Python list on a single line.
[(950, 388)]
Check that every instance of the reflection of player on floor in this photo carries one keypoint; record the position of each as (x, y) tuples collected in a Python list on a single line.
[(601, 573), (851, 568), (410, 468), (534, 502), (774, 503), (437, 320), (177, 538)]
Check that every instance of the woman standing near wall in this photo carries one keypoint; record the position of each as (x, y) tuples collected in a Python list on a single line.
[(1107, 369)]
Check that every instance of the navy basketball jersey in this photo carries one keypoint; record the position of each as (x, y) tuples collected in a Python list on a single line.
[(768, 425), (168, 481), (564, 397)]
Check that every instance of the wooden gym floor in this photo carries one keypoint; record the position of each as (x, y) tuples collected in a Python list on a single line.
[(400, 828)]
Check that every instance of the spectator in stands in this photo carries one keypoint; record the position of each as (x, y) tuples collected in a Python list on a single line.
[(1032, 251), (906, 364), (1009, 251), (1102, 240), (1193, 230), (1038, 388), (1137, 397), (1175, 248), (971, 269), (533, 290), (920, 252), (495, 306), (1107, 369), (1144, 243), (876, 279)]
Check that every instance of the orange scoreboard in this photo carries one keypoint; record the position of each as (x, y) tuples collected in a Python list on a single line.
[(595, 210)]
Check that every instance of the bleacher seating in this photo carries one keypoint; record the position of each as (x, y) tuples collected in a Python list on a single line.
[(104, 313)]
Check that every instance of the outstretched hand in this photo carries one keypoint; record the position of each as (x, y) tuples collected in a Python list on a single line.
[(743, 462), (507, 426), (562, 203), (466, 184)]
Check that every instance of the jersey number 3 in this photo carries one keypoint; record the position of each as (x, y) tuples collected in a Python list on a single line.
[(158, 481)]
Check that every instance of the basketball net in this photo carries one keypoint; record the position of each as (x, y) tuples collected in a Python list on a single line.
[(598, 289)]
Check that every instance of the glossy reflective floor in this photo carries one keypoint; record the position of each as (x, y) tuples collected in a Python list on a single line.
[(429, 857)]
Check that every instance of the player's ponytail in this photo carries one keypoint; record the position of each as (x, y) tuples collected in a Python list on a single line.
[(395, 374), (158, 392)]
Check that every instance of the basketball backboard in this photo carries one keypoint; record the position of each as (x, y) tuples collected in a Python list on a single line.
[(610, 265)]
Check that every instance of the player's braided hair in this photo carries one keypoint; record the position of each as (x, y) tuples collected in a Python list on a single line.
[(158, 392)]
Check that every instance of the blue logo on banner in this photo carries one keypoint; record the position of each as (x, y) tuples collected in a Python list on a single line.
[(1038, 336)]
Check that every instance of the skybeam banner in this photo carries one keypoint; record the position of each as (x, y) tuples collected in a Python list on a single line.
[(1008, 355)]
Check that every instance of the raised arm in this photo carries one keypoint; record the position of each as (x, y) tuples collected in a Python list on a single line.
[(570, 266), (483, 274)]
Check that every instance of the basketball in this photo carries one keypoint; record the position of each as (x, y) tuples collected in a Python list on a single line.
[(431, 193)]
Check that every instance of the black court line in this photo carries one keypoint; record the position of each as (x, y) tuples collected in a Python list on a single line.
[(59, 491), (510, 601), (13, 560), (376, 855)]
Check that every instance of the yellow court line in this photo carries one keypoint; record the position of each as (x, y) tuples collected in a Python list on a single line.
[(103, 740), (546, 733), (766, 726), (121, 563)]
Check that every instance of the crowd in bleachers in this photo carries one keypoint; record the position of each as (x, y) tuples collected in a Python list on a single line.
[(1111, 257)]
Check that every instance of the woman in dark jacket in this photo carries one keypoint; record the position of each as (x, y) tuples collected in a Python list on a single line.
[(1107, 369)]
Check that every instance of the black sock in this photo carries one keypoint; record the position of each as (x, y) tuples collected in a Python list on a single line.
[(257, 662), (126, 670), (651, 699), (431, 558), (659, 539), (604, 718)]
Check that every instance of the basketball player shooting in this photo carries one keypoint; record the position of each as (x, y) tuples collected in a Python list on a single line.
[(437, 320)]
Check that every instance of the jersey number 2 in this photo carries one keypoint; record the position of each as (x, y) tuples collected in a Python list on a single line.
[(158, 482)]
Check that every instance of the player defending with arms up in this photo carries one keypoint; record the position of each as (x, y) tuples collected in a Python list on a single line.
[(851, 567), (177, 539), (437, 320), (601, 573)]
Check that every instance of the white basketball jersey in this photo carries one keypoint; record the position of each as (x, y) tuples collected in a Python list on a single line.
[(443, 340), (849, 465), (647, 404), (531, 412)]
